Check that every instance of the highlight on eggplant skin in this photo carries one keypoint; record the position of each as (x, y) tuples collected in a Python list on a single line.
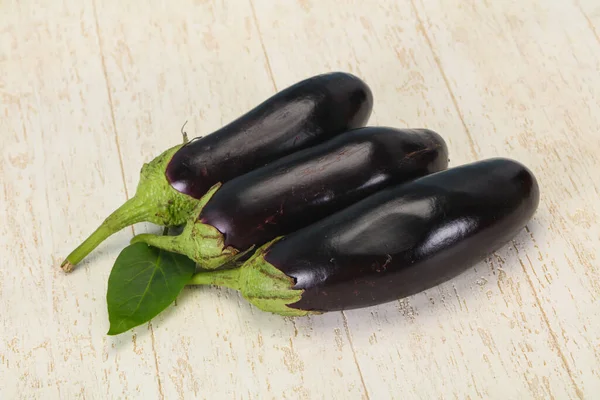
[(309, 185), (302, 115), (234, 219), (406, 239), (172, 184)]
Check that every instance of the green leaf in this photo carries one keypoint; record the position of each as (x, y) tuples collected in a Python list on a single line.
[(143, 282)]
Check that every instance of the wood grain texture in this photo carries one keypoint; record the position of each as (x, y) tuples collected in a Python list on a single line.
[(591, 13), (60, 173), (551, 110), (495, 308), (91, 90), (210, 69)]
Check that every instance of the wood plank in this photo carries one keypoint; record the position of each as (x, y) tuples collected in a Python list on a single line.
[(591, 13), (528, 83), (60, 175), (91, 90), (203, 62), (483, 334)]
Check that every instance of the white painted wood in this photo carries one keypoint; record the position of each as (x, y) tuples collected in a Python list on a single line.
[(60, 174), (91, 90), (209, 68), (537, 99), (482, 334), (590, 10)]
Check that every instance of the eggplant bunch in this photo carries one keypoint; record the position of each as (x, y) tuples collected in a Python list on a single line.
[(303, 208)]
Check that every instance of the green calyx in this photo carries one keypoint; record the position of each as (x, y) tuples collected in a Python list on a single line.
[(201, 242), (260, 283), (155, 201), (169, 206)]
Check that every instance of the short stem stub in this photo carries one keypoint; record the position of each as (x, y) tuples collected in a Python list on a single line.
[(229, 278)]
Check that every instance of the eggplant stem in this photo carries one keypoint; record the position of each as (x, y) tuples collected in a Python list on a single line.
[(155, 201), (184, 134), (133, 211), (163, 242), (229, 278)]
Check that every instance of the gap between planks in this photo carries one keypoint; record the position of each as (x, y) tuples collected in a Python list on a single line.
[(345, 321), (262, 45), (438, 63), (578, 391), (589, 21), (116, 135), (561, 355)]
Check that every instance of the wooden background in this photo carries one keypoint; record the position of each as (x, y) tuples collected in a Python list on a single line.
[(90, 89)]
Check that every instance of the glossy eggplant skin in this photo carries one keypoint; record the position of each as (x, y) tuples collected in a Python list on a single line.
[(302, 115), (308, 185), (407, 238)]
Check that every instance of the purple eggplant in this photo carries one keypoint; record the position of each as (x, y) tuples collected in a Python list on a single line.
[(300, 189), (398, 242), (303, 115)]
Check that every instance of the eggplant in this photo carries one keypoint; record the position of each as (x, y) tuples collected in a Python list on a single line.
[(393, 244), (300, 189), (298, 117), (301, 116)]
